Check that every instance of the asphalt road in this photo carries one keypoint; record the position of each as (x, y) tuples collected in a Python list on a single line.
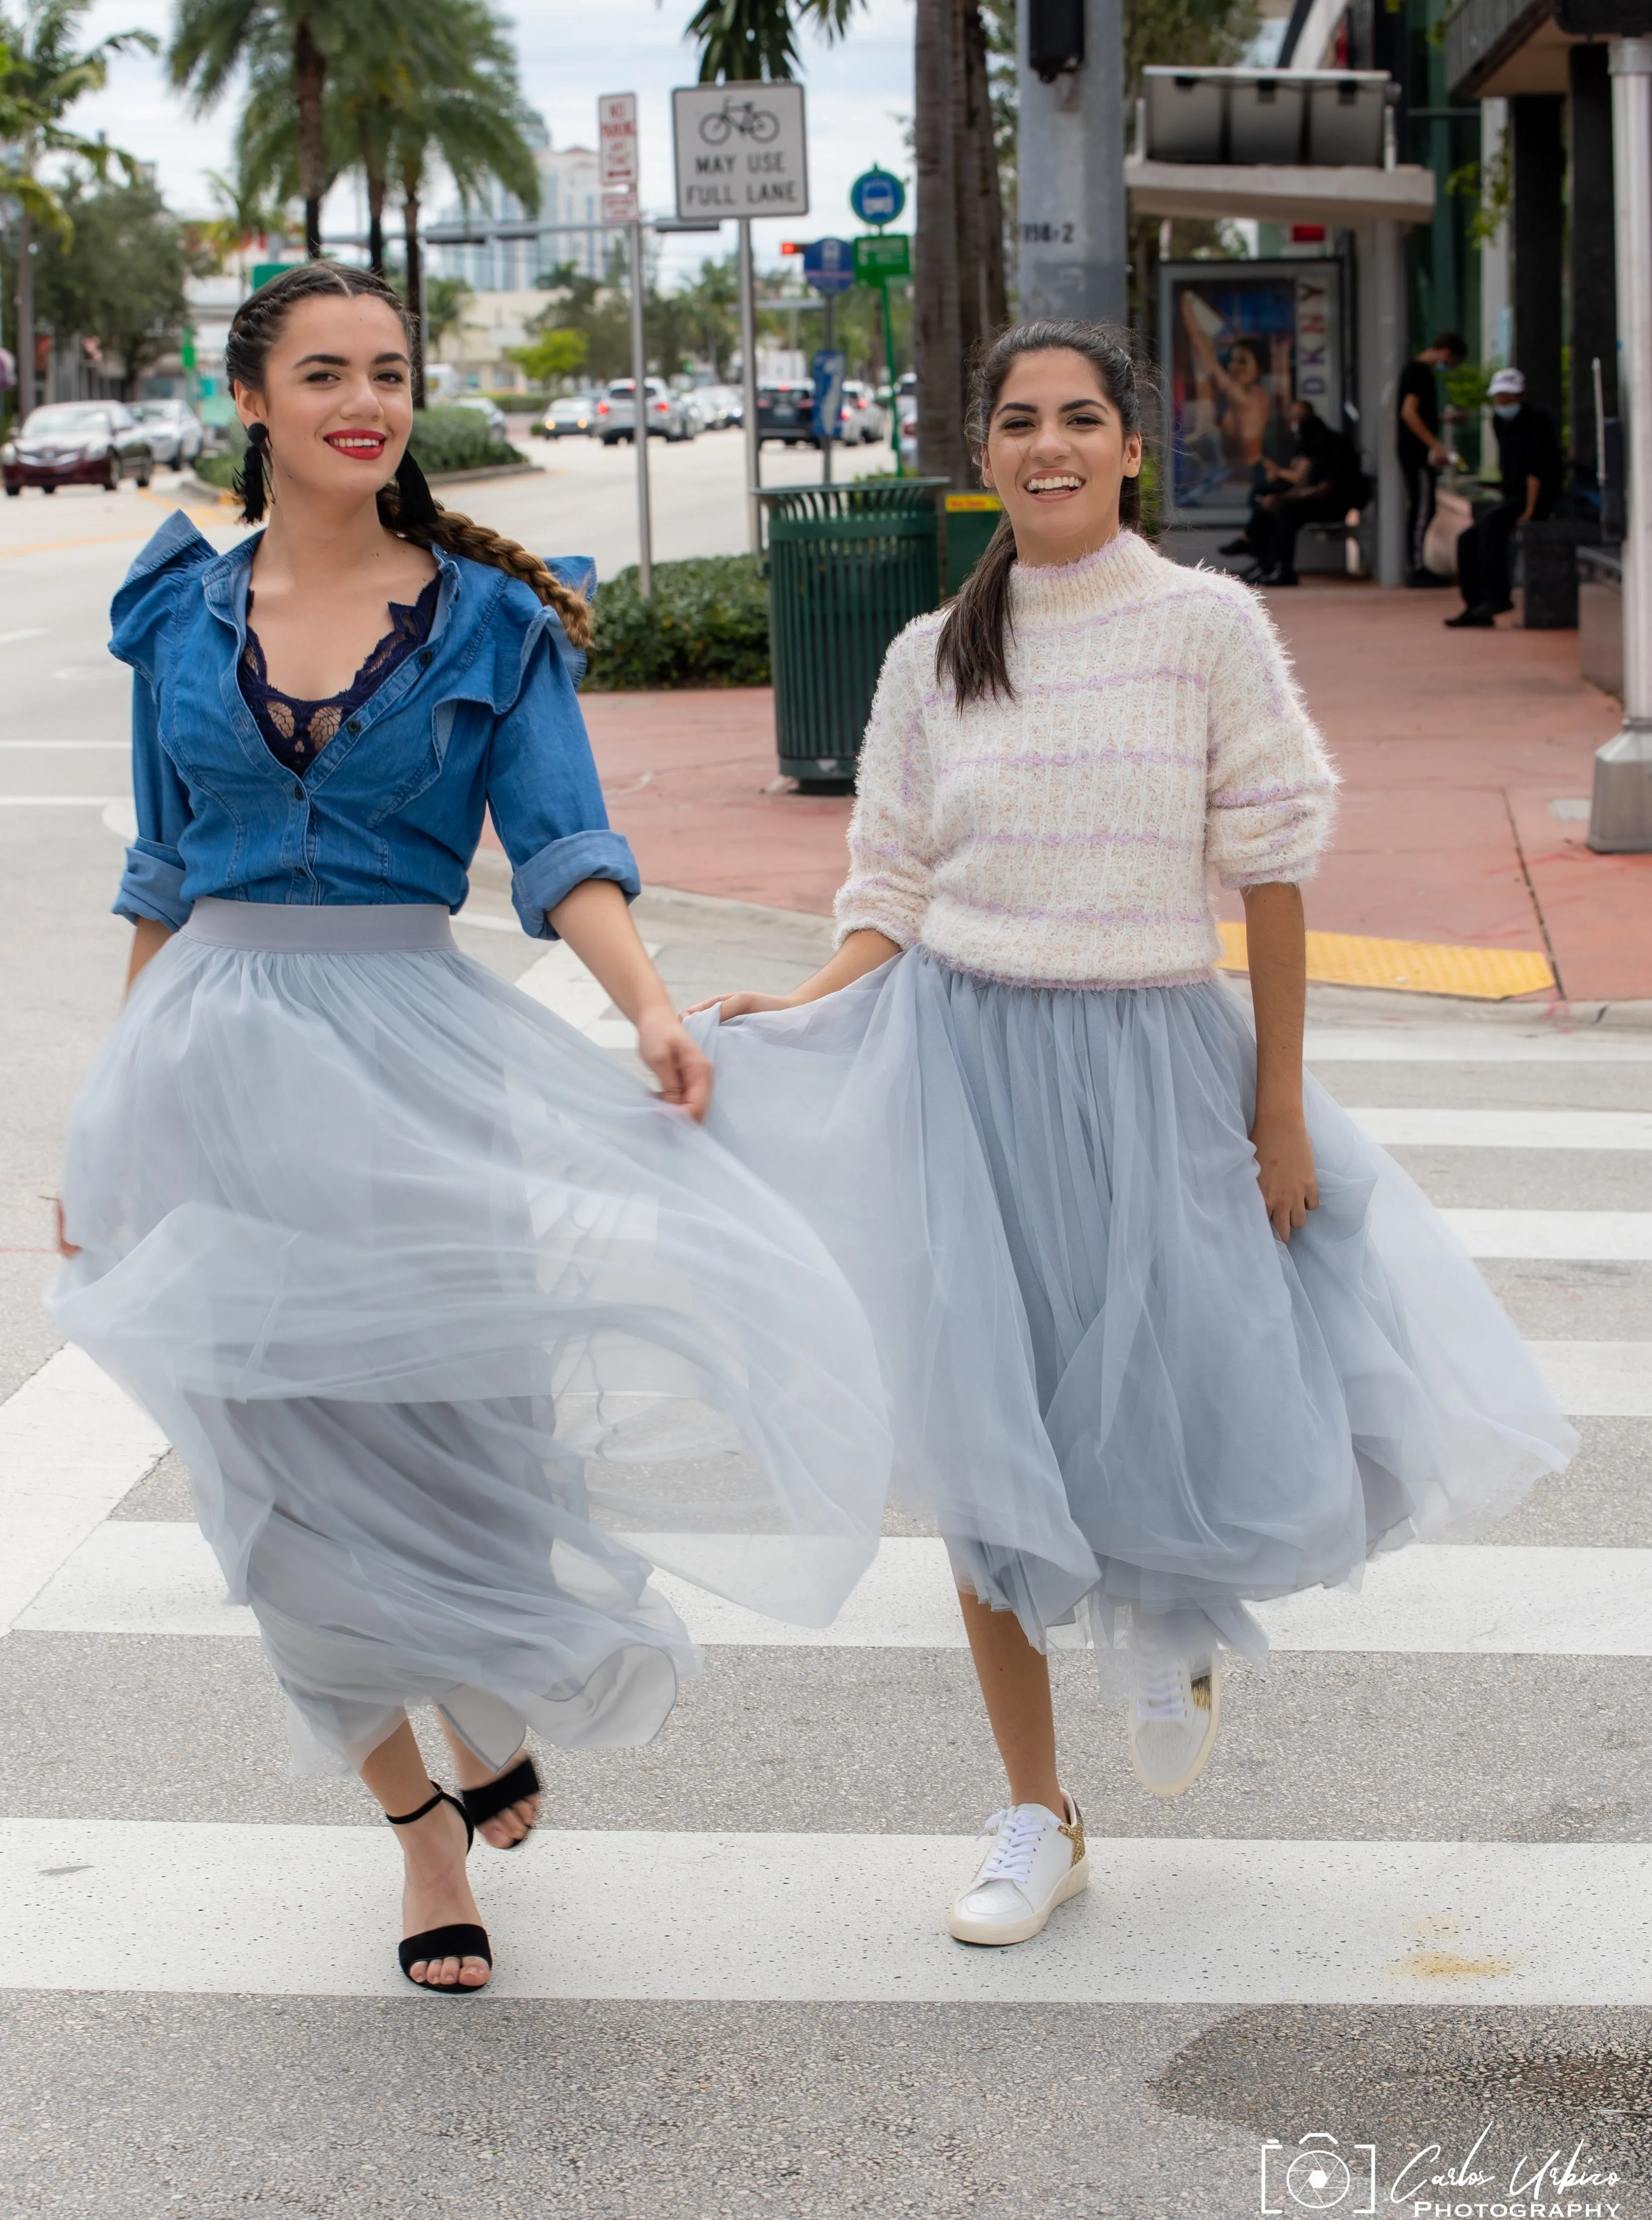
[(1409, 1902)]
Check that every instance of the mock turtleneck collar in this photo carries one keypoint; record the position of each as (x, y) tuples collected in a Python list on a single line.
[(1117, 572)]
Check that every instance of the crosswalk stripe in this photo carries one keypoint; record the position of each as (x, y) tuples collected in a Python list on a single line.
[(1597, 1379), (134, 1577), (1559, 1236), (216, 1909), (562, 983), (71, 1444), (1506, 1129), (1483, 1043)]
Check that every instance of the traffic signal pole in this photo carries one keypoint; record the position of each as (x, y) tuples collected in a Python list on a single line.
[(639, 417), (1070, 160)]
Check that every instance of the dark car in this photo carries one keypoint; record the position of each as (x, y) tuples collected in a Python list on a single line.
[(571, 416), (786, 411), (77, 443)]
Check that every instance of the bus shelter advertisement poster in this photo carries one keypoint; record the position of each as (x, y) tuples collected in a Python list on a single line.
[(1242, 340)]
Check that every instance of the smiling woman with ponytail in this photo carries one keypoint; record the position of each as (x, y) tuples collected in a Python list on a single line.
[(430, 1292)]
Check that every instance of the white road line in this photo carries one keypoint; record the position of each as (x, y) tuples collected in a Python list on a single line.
[(1559, 1236), (281, 1910), (71, 1444), (60, 801), (1405, 1043), (1507, 1129), (562, 984), (30, 632), (142, 1577)]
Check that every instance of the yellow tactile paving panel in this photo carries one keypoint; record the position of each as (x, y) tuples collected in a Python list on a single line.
[(1418, 967)]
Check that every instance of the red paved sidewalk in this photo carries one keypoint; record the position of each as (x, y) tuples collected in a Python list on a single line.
[(1452, 746)]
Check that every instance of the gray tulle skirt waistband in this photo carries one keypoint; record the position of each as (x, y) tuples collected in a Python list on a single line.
[(315, 928)]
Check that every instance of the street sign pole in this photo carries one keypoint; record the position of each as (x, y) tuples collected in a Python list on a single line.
[(742, 151), (828, 443), (616, 139), (748, 390), (888, 357), (1620, 815), (639, 417)]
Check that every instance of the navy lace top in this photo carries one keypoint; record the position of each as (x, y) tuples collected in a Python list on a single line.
[(295, 731)]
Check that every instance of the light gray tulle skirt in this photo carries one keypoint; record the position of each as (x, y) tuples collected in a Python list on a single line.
[(1109, 1383), (459, 1332)]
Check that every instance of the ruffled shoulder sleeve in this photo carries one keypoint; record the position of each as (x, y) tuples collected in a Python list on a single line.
[(149, 595)]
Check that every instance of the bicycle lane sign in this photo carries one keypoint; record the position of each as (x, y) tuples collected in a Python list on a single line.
[(740, 150)]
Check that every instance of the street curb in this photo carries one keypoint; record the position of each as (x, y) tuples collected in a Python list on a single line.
[(222, 497)]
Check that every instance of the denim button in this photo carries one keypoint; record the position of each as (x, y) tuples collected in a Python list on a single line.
[(354, 726), (298, 789), (424, 658)]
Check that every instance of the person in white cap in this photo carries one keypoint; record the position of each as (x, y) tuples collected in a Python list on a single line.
[(1527, 453)]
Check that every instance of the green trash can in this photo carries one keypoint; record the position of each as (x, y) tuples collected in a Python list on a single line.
[(849, 567)]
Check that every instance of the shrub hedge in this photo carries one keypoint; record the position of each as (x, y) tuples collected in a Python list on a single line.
[(706, 625), (443, 440)]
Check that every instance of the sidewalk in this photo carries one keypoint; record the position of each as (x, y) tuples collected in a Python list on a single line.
[(1454, 749)]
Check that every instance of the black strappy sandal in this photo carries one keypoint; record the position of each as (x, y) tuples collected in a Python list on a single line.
[(461, 1941), (481, 1804)]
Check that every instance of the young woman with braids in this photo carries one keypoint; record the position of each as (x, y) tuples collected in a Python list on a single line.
[(459, 1328), (1163, 1335)]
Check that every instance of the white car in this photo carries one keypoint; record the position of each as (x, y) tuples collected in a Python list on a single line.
[(862, 417), (175, 434), (666, 416)]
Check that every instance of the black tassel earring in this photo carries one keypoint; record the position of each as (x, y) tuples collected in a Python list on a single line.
[(415, 506), (252, 485)]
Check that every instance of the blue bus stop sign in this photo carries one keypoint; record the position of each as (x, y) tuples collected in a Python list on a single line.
[(829, 264), (876, 197)]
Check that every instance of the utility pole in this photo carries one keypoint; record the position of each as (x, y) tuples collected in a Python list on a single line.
[(749, 388), (1070, 160), (640, 415), (1620, 816)]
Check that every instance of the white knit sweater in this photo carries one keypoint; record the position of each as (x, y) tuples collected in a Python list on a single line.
[(1065, 838)]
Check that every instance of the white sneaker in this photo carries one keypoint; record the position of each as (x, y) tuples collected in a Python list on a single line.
[(1173, 1717), (1028, 1861)]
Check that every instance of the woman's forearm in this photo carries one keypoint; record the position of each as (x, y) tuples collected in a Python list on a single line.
[(861, 952), (597, 924), (1277, 960), (149, 937)]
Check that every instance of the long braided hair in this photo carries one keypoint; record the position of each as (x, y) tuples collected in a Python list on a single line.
[(970, 650), (405, 507)]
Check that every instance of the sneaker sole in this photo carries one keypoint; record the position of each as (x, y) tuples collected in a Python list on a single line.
[(999, 1932), (1184, 1781)]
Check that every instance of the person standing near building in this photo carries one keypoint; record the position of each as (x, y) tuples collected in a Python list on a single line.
[(1423, 453), (1164, 1334), (1529, 455)]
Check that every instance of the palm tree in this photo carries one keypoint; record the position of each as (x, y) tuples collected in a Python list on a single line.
[(743, 39), (45, 72), (213, 39), (959, 295), (476, 122)]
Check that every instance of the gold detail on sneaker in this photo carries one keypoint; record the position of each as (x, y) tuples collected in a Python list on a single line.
[(1074, 1831), (1200, 1686)]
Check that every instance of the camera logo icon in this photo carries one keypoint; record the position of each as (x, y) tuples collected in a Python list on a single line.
[(1318, 2178)]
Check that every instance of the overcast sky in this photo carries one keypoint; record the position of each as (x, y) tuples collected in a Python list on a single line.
[(858, 90)]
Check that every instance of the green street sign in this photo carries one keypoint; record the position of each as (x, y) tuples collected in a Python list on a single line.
[(263, 272), (882, 256)]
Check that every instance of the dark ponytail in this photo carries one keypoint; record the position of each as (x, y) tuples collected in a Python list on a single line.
[(970, 652), (406, 505)]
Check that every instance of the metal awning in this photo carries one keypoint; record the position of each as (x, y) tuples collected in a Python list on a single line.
[(1339, 198)]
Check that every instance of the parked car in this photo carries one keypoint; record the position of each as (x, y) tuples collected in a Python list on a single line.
[(571, 416), (862, 419), (719, 405), (494, 414), (77, 443), (174, 432), (785, 412), (667, 418)]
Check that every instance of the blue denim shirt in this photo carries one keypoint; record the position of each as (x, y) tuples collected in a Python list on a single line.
[(484, 716)]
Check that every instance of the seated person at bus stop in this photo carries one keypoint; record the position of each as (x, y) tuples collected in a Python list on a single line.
[(1325, 481), (1527, 453)]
